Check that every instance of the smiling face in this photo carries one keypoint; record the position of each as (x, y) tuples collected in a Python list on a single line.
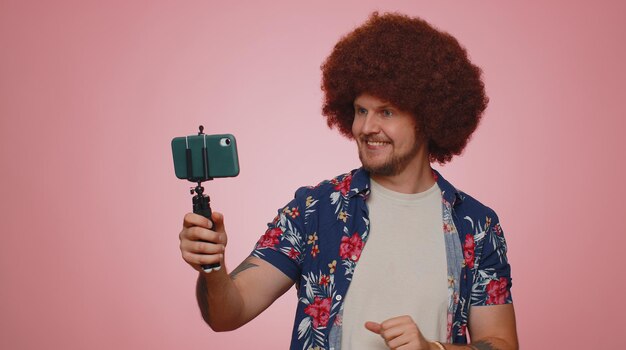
[(386, 137)]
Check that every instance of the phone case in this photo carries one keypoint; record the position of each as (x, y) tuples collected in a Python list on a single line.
[(217, 152)]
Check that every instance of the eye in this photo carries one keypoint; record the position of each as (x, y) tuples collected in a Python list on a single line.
[(387, 113), (361, 111)]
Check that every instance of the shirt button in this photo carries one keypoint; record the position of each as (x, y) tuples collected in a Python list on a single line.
[(338, 298)]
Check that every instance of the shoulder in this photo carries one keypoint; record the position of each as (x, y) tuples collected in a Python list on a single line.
[(472, 214), (461, 202), (346, 183), (473, 207), (477, 218)]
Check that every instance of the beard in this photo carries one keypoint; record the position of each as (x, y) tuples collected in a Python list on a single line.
[(393, 165)]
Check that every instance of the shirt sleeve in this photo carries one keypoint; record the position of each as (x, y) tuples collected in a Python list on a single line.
[(283, 243), (492, 278)]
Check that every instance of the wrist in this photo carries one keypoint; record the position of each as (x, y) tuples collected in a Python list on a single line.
[(435, 345)]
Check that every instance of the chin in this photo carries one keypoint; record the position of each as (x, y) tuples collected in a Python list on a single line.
[(384, 169)]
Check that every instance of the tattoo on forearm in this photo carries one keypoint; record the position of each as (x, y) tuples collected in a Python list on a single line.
[(242, 267), (482, 345)]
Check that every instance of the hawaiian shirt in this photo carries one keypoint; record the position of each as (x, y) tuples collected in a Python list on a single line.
[(317, 239)]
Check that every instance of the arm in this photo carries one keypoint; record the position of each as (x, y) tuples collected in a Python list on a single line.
[(227, 301), (491, 319), (492, 328)]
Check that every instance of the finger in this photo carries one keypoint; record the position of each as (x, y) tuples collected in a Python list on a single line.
[(373, 327), (393, 332), (397, 326), (402, 339), (408, 346), (197, 233), (398, 320), (218, 220), (200, 247), (192, 219), (202, 259)]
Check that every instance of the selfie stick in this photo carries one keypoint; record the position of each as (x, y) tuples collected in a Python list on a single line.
[(202, 202)]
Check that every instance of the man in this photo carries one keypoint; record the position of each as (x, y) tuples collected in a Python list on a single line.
[(390, 255)]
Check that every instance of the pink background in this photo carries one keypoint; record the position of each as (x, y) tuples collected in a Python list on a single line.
[(91, 93)]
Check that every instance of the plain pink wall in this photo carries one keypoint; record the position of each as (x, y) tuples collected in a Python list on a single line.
[(91, 94)]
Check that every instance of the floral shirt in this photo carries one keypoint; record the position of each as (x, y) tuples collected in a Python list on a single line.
[(318, 237)]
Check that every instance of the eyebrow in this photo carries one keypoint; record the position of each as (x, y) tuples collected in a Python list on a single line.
[(384, 106)]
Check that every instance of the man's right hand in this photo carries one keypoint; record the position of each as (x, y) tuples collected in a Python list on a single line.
[(227, 301), (200, 242)]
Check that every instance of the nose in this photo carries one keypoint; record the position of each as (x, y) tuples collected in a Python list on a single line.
[(370, 125)]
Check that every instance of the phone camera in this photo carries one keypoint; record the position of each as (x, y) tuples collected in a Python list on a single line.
[(224, 142)]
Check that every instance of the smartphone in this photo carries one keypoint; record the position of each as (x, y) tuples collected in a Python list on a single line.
[(204, 157)]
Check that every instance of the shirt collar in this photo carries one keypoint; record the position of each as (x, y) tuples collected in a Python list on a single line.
[(449, 193), (360, 185)]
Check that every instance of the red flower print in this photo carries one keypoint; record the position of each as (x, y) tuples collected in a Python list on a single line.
[(351, 247), (319, 310), (324, 280), (498, 229), (468, 250), (447, 228), (344, 185), (315, 250), (294, 254), (497, 292), (270, 238)]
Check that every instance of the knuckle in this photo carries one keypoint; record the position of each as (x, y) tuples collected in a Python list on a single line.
[(187, 219), (195, 233), (184, 247), (199, 247), (187, 256)]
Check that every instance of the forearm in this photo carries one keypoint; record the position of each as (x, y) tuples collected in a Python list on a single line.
[(219, 300), (484, 344)]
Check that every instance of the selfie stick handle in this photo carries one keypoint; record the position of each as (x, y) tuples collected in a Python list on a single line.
[(202, 206)]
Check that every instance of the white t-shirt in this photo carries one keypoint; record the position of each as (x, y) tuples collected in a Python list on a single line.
[(401, 271)]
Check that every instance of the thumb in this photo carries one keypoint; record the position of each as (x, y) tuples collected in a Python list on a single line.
[(373, 327), (218, 222)]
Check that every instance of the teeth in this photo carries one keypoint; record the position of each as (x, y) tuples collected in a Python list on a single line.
[(376, 143)]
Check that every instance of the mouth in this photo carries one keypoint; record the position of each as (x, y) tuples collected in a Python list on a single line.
[(375, 143)]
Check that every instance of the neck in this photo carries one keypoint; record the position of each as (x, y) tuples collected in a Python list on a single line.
[(413, 179)]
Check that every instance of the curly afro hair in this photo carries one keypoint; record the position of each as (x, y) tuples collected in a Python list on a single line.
[(410, 64)]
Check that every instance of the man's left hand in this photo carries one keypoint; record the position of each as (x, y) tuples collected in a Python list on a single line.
[(399, 332)]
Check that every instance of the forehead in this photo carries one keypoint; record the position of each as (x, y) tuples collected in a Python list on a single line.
[(369, 101)]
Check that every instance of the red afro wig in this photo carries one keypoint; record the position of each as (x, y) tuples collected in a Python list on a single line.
[(410, 64)]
